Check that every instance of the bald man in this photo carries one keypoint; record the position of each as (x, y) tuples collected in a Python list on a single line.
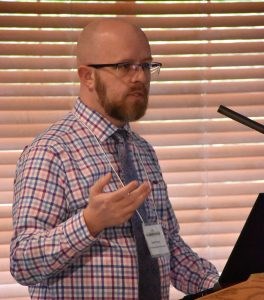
[(73, 208)]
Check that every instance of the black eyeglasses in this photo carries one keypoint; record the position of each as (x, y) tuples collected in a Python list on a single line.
[(125, 68)]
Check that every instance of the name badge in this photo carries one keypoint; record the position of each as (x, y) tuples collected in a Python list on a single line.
[(155, 239)]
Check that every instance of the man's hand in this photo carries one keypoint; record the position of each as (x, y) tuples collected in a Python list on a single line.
[(113, 208)]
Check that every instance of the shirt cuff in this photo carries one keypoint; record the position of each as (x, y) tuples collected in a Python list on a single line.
[(210, 281), (77, 233)]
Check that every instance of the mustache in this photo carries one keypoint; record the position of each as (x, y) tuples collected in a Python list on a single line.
[(138, 88)]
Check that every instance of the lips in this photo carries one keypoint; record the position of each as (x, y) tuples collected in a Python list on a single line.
[(138, 90), (138, 94)]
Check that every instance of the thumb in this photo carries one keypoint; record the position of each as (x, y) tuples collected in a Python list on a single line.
[(99, 185)]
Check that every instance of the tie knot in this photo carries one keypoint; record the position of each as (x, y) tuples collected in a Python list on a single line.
[(121, 135)]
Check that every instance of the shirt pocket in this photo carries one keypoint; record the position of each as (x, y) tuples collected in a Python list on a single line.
[(157, 201)]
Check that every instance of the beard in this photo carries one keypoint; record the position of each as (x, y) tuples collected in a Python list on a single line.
[(123, 109)]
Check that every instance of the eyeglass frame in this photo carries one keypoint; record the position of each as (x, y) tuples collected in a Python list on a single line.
[(154, 65)]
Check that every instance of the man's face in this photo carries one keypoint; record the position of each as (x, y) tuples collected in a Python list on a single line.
[(121, 93), (124, 99)]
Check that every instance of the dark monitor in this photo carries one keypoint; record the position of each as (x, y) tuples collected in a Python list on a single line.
[(247, 256)]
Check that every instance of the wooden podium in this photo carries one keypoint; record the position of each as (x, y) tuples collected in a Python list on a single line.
[(252, 289)]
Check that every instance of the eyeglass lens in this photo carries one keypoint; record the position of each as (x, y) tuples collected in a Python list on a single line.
[(130, 69)]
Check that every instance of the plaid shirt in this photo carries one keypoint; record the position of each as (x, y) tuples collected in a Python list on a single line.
[(52, 250)]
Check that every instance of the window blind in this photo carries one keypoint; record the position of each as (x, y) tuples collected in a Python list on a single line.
[(212, 54)]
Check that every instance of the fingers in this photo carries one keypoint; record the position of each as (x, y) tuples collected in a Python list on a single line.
[(131, 188), (143, 188), (99, 185), (130, 195), (106, 209), (134, 200), (138, 195), (127, 189)]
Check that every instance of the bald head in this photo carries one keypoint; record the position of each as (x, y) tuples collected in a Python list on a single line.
[(111, 41)]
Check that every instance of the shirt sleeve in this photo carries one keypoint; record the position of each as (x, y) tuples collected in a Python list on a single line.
[(189, 272), (45, 239)]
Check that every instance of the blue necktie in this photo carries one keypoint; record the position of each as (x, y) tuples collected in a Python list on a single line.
[(148, 269)]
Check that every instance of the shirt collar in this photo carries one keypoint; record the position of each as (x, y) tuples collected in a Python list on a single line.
[(99, 125)]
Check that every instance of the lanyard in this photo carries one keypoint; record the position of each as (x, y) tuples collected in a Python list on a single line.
[(112, 167)]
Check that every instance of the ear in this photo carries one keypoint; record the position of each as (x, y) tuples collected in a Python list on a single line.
[(86, 76)]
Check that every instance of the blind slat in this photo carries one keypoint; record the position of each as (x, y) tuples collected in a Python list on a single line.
[(203, 202), (28, 76), (192, 34), (167, 88), (40, 120), (13, 290), (129, 8), (167, 49), (6, 197), (17, 103), (215, 189), (149, 22), (216, 176), (5, 238), (172, 61)]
